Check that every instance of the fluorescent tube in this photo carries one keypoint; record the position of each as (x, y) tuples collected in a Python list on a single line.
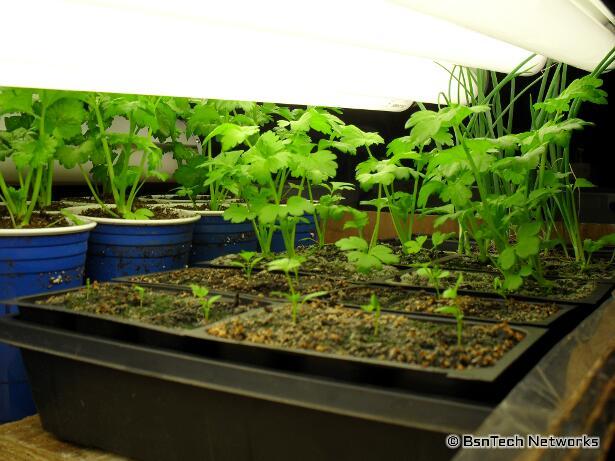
[(577, 32), (209, 49)]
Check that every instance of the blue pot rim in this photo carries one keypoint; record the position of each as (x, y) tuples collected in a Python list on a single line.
[(70, 229), (187, 217)]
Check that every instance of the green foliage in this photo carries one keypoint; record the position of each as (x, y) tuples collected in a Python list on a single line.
[(329, 207), (433, 274), (140, 293), (374, 308), (451, 292), (438, 238), (412, 247), (39, 127), (116, 168), (358, 220), (591, 246), (72, 218), (249, 260), (295, 298), (458, 314), (206, 301), (366, 258), (582, 89)]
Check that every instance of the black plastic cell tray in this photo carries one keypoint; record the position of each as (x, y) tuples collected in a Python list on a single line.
[(160, 405), (487, 384), (602, 291), (566, 312)]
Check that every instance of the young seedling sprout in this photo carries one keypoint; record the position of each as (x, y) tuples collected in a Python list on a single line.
[(141, 291), (451, 292), (88, 287), (458, 314), (206, 301), (433, 274), (374, 308), (248, 262), (454, 310), (438, 238), (412, 247), (291, 266)]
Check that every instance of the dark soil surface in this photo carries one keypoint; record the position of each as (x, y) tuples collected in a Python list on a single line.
[(39, 220), (554, 266), (399, 299), (174, 197), (600, 268), (199, 206), (569, 289), (423, 256), (160, 212), (234, 280), (59, 204), (328, 261), (162, 308), (332, 329)]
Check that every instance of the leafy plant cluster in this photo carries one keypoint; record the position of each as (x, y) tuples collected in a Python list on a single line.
[(275, 167)]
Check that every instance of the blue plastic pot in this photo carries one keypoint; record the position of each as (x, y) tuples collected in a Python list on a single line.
[(305, 235), (34, 261), (213, 237), (122, 247)]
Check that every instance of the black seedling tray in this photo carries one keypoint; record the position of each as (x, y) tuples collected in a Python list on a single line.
[(563, 315), (212, 264), (601, 292), (159, 405), (115, 327), (567, 313), (487, 384), (206, 265)]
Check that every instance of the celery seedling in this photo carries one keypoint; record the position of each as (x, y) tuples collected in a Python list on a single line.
[(206, 301), (451, 292), (412, 247), (141, 293), (88, 287), (458, 314), (296, 299), (591, 246), (249, 261), (438, 238), (433, 274), (374, 308)]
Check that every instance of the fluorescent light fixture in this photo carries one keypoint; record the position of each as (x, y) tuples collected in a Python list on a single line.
[(373, 54), (577, 32), (376, 24)]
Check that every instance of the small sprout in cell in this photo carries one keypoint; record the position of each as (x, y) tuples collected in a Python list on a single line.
[(249, 260), (374, 308), (294, 297), (141, 292), (433, 274), (412, 247), (458, 314), (498, 286), (206, 301), (451, 292), (591, 246), (88, 288), (438, 238)]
